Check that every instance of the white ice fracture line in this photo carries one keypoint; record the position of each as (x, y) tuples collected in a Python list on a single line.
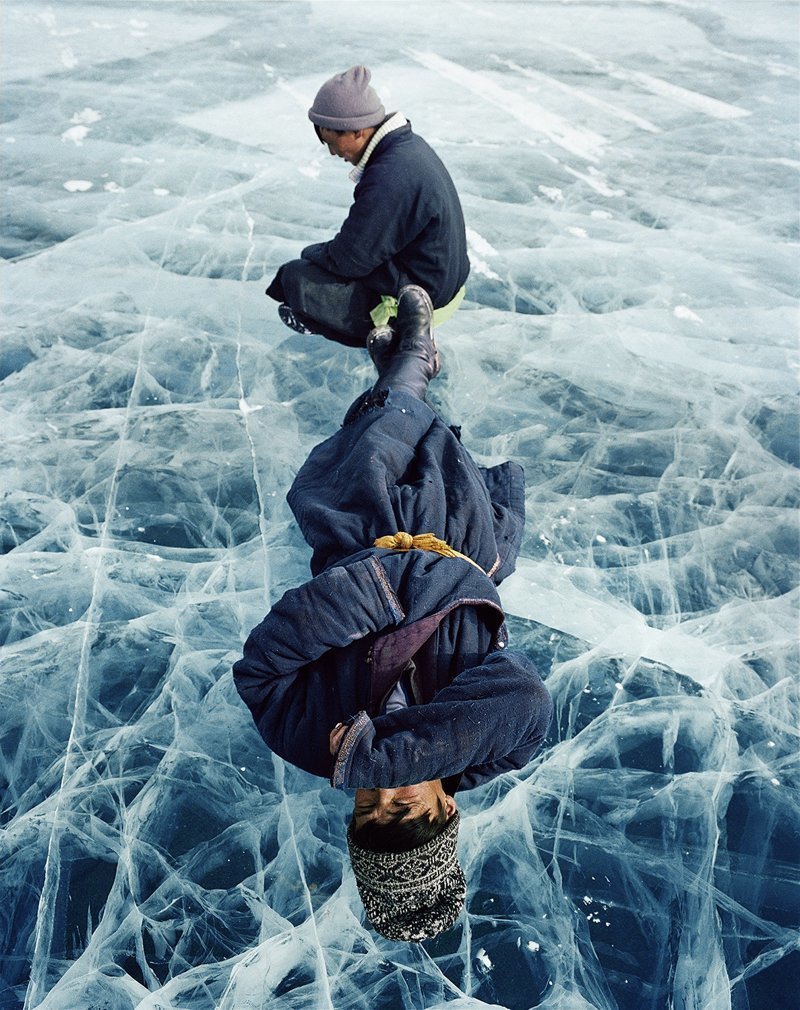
[(666, 89), (584, 143), (609, 107)]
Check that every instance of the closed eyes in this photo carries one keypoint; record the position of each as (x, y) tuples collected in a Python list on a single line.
[(395, 804)]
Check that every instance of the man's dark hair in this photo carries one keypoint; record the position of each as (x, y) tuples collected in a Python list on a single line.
[(400, 833), (337, 132)]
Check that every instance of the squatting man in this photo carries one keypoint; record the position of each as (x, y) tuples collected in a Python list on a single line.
[(405, 225), (388, 672)]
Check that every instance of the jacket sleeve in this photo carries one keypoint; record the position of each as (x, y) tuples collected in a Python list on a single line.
[(382, 221), (506, 486), (490, 719), (274, 676)]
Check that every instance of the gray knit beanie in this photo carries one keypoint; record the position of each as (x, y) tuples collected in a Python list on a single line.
[(347, 102), (413, 895)]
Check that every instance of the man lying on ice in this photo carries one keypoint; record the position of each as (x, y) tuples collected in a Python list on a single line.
[(388, 671)]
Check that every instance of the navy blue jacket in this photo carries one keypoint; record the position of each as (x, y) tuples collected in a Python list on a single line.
[(332, 649), (405, 224)]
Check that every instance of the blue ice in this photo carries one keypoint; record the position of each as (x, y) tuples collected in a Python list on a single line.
[(629, 174)]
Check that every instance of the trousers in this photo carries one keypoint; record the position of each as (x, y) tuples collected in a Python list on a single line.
[(335, 307)]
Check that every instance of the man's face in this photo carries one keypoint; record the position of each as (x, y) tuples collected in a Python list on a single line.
[(349, 145), (381, 805)]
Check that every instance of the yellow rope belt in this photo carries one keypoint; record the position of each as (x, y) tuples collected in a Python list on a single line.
[(422, 542)]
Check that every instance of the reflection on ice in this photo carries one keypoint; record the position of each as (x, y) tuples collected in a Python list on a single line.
[(629, 178)]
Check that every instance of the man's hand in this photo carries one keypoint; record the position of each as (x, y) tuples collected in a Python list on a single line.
[(336, 737), (314, 252)]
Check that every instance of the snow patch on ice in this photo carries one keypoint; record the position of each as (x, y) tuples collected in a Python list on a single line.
[(484, 960), (479, 249), (87, 116), (75, 135), (68, 58), (684, 312)]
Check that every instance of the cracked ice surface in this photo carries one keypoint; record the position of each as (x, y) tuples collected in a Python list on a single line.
[(629, 178)]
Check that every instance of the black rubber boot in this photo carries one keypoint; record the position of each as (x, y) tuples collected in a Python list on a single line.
[(410, 361), (381, 342)]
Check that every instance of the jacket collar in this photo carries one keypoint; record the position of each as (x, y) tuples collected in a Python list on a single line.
[(394, 122)]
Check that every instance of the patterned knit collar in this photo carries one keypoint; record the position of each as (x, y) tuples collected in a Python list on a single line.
[(394, 122)]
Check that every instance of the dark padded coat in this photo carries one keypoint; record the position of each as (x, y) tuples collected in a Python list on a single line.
[(331, 650), (405, 224)]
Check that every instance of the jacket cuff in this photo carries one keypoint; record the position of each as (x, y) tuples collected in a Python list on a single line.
[(344, 756)]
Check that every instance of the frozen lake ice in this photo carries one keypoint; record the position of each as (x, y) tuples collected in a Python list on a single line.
[(629, 175)]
